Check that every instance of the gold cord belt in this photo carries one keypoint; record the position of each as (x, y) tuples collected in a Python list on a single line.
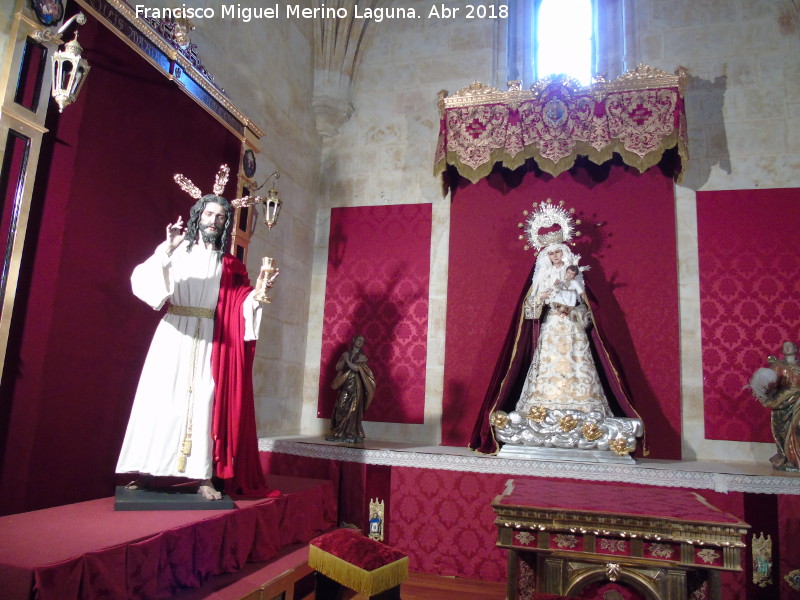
[(190, 311), (185, 447)]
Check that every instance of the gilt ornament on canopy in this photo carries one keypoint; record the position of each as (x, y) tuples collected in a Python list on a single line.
[(638, 116)]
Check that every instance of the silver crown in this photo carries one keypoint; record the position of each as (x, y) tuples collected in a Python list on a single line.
[(546, 215)]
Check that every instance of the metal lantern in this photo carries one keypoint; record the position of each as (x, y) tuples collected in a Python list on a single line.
[(69, 72), (272, 208), (272, 203)]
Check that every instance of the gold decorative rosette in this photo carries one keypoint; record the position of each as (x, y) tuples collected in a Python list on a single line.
[(591, 432), (537, 414), (499, 419), (620, 446)]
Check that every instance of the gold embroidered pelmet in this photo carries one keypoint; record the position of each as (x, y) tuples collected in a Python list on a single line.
[(638, 116)]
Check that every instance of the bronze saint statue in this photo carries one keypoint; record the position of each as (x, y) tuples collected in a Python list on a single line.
[(356, 385), (778, 388)]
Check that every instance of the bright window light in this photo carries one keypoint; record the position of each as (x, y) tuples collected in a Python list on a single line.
[(564, 39)]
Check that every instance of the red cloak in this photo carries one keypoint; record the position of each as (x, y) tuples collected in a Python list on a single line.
[(233, 425)]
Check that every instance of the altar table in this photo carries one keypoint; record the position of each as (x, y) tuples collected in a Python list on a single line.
[(661, 542)]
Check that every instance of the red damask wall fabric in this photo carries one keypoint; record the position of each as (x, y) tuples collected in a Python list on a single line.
[(377, 285), (749, 288), (633, 276), (444, 522)]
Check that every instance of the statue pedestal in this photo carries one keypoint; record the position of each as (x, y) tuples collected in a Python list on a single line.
[(566, 435), (563, 454), (147, 499)]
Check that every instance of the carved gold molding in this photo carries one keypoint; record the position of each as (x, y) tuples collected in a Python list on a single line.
[(640, 78), (25, 125), (650, 529), (134, 30)]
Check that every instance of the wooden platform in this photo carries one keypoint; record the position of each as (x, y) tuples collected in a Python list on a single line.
[(287, 574)]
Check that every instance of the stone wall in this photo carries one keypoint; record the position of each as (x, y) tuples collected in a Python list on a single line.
[(7, 8), (384, 155), (266, 67)]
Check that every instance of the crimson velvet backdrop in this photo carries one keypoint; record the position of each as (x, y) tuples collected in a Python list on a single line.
[(749, 291), (633, 275), (79, 336), (377, 286)]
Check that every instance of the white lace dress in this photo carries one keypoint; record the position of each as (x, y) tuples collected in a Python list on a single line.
[(562, 375)]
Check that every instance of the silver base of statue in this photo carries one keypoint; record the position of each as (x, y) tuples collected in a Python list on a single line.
[(569, 435), (563, 454)]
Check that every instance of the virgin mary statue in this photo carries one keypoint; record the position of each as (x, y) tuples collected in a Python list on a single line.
[(562, 374), (555, 384)]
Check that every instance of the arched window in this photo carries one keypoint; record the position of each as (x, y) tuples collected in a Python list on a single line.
[(580, 37), (564, 39)]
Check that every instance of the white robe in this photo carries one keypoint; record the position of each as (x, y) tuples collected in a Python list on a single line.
[(179, 358)]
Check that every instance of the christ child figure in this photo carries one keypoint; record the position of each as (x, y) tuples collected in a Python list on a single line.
[(567, 293)]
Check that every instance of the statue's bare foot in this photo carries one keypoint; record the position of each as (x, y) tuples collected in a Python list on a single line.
[(208, 491), (140, 483)]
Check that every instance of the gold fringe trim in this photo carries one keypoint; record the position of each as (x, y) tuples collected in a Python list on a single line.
[(356, 578), (598, 157)]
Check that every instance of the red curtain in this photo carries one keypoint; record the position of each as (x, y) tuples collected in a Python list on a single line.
[(79, 335), (377, 286), (633, 275)]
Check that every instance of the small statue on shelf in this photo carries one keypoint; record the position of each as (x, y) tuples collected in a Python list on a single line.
[(356, 385), (778, 388)]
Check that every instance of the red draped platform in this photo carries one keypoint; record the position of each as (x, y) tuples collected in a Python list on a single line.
[(87, 550)]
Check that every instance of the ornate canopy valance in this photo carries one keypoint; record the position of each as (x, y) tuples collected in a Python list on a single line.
[(639, 115)]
